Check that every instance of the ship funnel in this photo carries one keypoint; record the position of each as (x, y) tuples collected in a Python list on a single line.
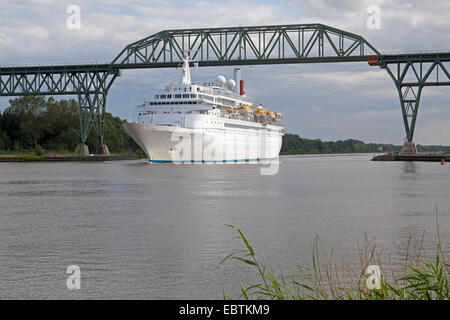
[(237, 80), (242, 91)]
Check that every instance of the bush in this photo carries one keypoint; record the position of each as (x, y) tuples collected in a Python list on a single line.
[(38, 150)]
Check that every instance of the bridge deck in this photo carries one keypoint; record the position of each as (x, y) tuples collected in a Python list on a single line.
[(113, 68)]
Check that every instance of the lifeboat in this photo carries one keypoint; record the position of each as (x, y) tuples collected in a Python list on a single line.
[(245, 110), (260, 114), (230, 110), (271, 116), (278, 116)]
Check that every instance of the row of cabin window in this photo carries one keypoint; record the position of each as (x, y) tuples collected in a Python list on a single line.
[(165, 112), (176, 96), (178, 102), (180, 96)]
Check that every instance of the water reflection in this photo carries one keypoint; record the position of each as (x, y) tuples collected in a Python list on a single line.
[(409, 167)]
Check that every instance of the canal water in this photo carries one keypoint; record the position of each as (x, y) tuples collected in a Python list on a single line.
[(157, 231)]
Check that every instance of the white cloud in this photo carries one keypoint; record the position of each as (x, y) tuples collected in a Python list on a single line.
[(4, 37), (433, 130), (337, 77), (35, 32)]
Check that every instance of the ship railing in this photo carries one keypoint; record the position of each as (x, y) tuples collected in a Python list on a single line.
[(237, 117)]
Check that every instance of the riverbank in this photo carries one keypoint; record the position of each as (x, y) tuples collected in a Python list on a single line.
[(417, 157), (64, 157), (115, 157)]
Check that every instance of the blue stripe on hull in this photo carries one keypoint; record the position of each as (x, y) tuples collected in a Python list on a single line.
[(207, 161)]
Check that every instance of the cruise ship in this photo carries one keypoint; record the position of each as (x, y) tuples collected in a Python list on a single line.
[(210, 122)]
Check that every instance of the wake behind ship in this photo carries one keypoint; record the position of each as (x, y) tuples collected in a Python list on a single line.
[(206, 122)]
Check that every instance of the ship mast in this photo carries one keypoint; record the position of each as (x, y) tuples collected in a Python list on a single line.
[(185, 72)]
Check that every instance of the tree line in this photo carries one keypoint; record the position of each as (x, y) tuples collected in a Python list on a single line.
[(35, 122), (294, 144)]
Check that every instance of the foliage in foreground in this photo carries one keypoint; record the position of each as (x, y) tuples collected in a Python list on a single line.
[(418, 280)]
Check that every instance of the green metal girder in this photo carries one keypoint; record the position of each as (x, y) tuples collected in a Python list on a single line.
[(92, 108), (57, 69), (295, 43), (415, 57), (245, 62), (63, 82)]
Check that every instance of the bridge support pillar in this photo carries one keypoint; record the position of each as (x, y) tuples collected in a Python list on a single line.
[(82, 150), (409, 148), (103, 150)]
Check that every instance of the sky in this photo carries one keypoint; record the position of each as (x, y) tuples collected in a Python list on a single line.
[(324, 101)]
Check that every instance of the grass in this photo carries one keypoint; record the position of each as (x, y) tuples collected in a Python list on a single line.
[(28, 157), (31, 157), (328, 280)]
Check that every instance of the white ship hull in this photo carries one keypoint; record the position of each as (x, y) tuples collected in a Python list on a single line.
[(176, 144)]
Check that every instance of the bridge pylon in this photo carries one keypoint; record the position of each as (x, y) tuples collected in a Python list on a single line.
[(92, 111), (411, 73)]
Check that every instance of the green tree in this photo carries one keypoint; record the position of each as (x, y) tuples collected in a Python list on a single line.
[(30, 111), (30, 122)]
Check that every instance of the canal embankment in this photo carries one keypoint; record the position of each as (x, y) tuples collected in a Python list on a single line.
[(60, 158), (416, 157)]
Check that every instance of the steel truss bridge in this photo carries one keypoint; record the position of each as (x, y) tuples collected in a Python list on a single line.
[(277, 44)]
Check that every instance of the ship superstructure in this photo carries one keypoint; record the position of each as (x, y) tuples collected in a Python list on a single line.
[(206, 122)]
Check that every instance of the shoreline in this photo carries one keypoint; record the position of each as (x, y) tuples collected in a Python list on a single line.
[(63, 158), (117, 157), (417, 157)]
